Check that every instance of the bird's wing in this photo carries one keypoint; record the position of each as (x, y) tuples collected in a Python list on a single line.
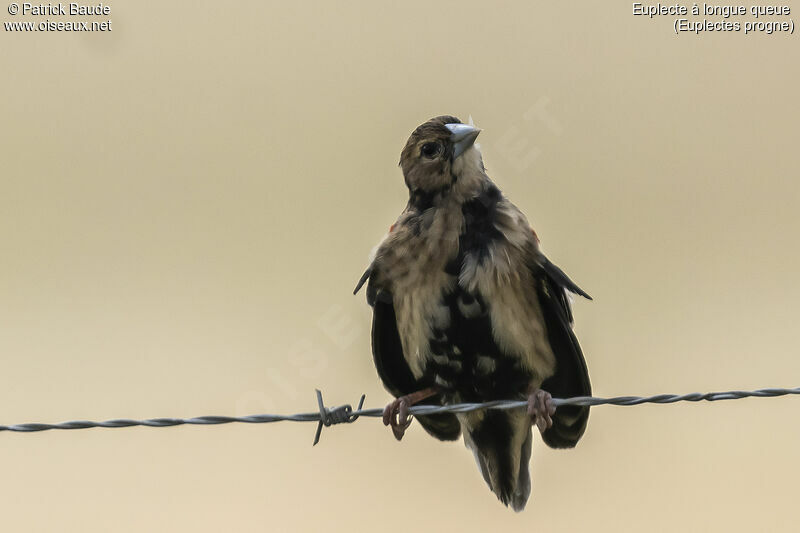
[(387, 354), (571, 377)]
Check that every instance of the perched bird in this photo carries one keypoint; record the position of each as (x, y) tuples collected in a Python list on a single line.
[(466, 308)]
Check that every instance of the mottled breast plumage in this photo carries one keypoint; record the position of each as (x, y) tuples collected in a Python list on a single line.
[(458, 297)]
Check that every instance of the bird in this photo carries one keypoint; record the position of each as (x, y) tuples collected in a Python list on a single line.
[(467, 308)]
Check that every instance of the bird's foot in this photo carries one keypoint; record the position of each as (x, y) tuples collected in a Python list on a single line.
[(541, 409), (396, 413)]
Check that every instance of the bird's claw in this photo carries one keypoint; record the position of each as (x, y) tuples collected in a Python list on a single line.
[(541, 409), (396, 415)]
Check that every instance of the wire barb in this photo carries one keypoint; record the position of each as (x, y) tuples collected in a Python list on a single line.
[(346, 414), (338, 415)]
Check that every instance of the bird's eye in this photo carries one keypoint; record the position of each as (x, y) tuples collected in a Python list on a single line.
[(431, 150)]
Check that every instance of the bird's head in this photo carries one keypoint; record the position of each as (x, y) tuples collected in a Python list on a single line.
[(437, 152)]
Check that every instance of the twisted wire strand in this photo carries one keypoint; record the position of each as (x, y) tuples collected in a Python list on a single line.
[(346, 414)]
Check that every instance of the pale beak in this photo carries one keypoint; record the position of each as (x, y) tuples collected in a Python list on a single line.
[(462, 136)]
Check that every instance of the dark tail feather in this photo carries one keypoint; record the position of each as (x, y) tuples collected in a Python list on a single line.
[(523, 489), (501, 442)]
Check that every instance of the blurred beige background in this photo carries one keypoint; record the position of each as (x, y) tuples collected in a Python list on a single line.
[(187, 202)]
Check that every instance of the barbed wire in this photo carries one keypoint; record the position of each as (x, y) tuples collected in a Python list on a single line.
[(346, 414)]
